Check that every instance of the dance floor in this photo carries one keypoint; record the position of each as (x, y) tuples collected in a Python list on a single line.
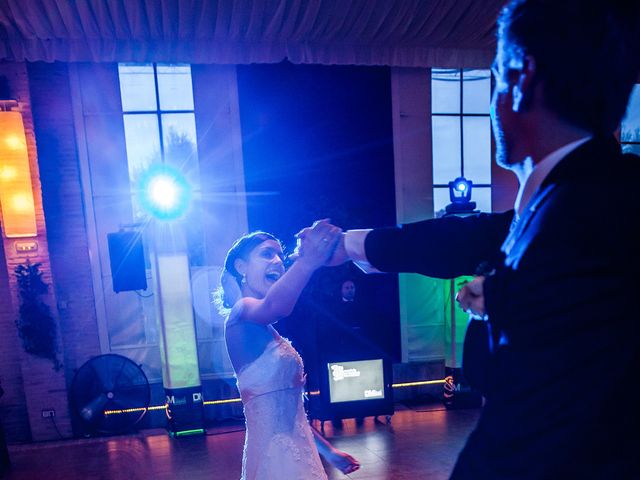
[(420, 442)]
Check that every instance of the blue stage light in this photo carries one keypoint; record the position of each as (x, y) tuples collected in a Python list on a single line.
[(460, 190), (164, 192)]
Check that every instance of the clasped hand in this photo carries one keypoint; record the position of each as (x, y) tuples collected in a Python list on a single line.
[(471, 298), (316, 244)]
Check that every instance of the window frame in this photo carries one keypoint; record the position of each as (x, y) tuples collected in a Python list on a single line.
[(461, 115), (158, 112)]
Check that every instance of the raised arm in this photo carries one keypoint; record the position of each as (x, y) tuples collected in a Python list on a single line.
[(283, 295), (442, 248)]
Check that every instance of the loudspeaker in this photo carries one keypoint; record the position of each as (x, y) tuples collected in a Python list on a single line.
[(126, 257)]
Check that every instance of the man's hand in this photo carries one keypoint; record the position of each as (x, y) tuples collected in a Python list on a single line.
[(318, 243), (339, 255), (471, 298)]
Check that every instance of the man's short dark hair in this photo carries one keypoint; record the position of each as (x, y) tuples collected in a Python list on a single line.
[(586, 52)]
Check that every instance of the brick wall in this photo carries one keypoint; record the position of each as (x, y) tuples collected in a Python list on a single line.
[(64, 212), (13, 405), (43, 387)]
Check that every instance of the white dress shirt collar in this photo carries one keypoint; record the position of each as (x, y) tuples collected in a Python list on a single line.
[(540, 171)]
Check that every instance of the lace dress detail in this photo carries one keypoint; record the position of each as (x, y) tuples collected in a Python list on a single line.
[(278, 442)]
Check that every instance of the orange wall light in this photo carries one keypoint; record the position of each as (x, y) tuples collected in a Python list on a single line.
[(16, 195)]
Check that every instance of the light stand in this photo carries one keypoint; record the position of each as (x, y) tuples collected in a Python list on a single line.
[(166, 196), (457, 392)]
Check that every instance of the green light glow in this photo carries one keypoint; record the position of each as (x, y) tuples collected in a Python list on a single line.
[(184, 433), (460, 321)]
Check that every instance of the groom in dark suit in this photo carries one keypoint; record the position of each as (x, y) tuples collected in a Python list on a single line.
[(559, 293)]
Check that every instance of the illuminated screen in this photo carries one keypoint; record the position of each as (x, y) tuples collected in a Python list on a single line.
[(353, 381)]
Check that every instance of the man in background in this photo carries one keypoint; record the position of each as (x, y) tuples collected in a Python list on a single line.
[(341, 334)]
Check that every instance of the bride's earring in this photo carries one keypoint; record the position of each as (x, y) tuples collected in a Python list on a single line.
[(243, 280)]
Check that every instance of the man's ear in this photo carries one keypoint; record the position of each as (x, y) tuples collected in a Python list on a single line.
[(523, 88), (240, 266)]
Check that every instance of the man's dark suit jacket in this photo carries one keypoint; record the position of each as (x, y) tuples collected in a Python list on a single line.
[(561, 381)]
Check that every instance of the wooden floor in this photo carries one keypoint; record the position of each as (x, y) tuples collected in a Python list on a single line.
[(422, 442)]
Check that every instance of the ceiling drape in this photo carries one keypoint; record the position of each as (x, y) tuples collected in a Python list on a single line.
[(406, 33)]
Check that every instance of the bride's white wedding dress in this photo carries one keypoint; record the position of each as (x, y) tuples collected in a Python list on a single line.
[(278, 442)]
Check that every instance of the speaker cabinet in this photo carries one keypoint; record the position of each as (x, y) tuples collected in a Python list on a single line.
[(126, 257)]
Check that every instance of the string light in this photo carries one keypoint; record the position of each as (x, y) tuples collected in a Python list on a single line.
[(238, 400)]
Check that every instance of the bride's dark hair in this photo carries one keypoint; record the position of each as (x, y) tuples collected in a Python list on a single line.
[(228, 293)]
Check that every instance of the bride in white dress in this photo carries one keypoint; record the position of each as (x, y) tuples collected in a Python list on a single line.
[(279, 443)]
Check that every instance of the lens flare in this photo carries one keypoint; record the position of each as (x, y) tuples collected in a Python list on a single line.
[(164, 193)]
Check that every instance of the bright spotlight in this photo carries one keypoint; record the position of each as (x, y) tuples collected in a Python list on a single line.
[(164, 193), (460, 196), (460, 190)]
